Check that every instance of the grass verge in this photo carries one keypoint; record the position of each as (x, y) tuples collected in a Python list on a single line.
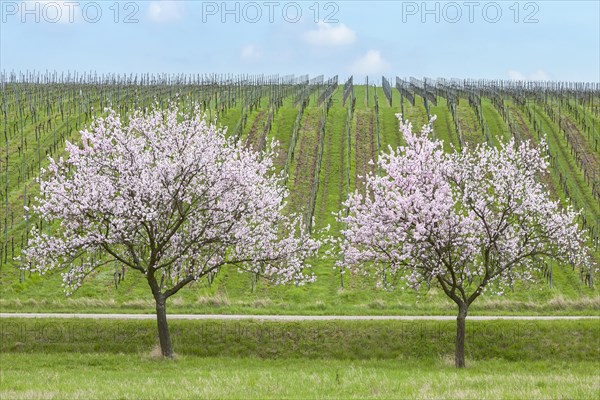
[(105, 376), (100, 359), (575, 340)]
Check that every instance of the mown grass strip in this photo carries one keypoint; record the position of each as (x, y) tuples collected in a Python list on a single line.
[(576, 340)]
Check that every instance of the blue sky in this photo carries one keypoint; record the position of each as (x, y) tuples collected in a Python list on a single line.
[(556, 40)]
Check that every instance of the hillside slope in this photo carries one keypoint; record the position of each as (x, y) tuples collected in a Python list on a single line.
[(327, 135)]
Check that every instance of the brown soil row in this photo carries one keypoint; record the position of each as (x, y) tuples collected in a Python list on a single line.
[(364, 148), (306, 162), (253, 139), (578, 141), (325, 186), (524, 133), (469, 127), (343, 169)]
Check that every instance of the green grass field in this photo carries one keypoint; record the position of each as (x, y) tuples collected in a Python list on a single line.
[(100, 359), (102, 376)]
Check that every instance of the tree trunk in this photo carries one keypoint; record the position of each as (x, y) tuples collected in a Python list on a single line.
[(163, 328), (459, 356)]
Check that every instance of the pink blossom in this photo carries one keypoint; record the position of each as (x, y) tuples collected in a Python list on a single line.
[(169, 195)]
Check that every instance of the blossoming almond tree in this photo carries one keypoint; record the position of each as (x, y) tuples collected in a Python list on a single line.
[(465, 221), (168, 195)]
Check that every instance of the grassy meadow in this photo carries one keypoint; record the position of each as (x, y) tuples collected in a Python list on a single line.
[(100, 359)]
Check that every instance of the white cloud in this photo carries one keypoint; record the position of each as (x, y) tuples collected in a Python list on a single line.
[(250, 53), (165, 10), (371, 63), (538, 75), (515, 75), (330, 35)]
